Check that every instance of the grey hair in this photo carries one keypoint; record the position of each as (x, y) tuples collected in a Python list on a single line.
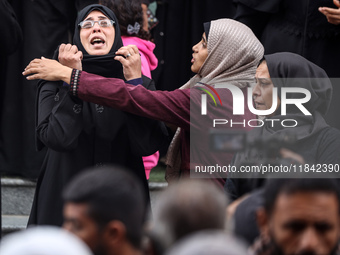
[(207, 243), (187, 207)]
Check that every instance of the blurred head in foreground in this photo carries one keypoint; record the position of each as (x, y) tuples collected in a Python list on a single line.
[(208, 242), (43, 241), (187, 207), (105, 207)]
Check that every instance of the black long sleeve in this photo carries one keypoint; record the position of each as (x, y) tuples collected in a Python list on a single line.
[(11, 34), (59, 118)]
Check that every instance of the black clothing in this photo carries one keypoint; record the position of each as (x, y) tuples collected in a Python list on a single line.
[(182, 19), (298, 27), (11, 38), (294, 26), (79, 135), (321, 148), (315, 141), (48, 23), (245, 222), (45, 24), (103, 65), (291, 70), (10, 42), (10, 30)]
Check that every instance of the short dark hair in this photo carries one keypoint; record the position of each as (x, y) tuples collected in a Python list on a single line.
[(276, 187), (128, 12), (111, 193)]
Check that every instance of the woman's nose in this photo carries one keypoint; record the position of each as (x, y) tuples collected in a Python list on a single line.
[(194, 48), (256, 90), (96, 27)]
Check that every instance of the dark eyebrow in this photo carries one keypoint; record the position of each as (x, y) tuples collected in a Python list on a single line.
[(100, 17)]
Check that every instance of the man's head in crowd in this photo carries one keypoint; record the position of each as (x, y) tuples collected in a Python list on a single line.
[(105, 207), (301, 216), (187, 207)]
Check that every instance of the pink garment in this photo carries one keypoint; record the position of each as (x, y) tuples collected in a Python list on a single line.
[(148, 58), (149, 63)]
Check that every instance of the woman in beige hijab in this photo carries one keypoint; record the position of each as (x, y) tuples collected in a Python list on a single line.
[(229, 53)]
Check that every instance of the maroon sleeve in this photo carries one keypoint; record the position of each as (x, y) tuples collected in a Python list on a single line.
[(168, 106)]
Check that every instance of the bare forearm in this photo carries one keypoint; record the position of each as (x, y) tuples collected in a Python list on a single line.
[(66, 75)]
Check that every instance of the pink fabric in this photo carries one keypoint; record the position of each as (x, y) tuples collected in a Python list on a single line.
[(150, 162), (148, 58), (149, 63)]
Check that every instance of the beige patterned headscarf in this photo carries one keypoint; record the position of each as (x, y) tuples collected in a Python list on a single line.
[(233, 55)]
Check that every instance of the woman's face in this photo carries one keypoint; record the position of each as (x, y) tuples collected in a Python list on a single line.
[(97, 40), (263, 91), (199, 55)]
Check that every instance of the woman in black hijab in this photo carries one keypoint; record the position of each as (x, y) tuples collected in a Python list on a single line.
[(78, 134), (315, 140)]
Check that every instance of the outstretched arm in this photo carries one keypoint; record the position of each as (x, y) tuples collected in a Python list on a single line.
[(171, 107), (70, 57), (47, 69), (168, 106)]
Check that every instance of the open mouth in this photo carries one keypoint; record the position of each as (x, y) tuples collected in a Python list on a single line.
[(97, 41)]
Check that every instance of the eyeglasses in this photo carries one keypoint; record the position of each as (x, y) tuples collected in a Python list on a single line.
[(90, 23)]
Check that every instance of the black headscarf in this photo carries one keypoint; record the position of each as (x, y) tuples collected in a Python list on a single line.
[(269, 6), (103, 65), (286, 69), (292, 70)]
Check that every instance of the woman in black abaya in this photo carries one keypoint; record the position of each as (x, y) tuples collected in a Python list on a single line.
[(316, 141), (80, 134)]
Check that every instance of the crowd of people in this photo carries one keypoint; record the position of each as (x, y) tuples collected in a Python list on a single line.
[(105, 209), (269, 187)]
